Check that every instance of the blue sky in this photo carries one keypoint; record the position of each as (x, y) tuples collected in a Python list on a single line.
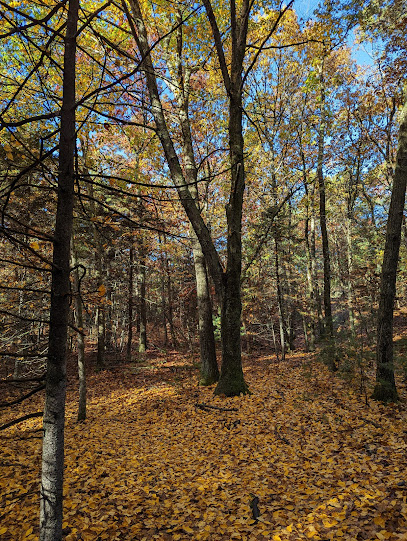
[(361, 53)]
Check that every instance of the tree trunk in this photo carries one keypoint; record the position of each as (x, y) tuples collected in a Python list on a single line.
[(349, 288), (54, 411), (227, 283), (180, 75), (209, 372), (141, 280), (170, 304), (130, 301), (328, 322), (80, 335), (280, 301), (231, 380), (385, 389)]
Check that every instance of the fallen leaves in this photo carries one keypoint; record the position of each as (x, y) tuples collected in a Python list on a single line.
[(148, 464)]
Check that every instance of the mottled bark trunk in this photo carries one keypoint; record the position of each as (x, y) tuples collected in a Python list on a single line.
[(314, 274), (280, 301), (209, 372), (170, 305), (54, 411), (385, 389), (311, 320)]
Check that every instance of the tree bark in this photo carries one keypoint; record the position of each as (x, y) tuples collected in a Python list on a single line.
[(80, 336), (130, 301), (209, 372), (328, 322), (141, 281), (54, 411), (101, 315), (385, 389)]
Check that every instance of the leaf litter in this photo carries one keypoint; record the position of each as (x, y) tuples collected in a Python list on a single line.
[(303, 457)]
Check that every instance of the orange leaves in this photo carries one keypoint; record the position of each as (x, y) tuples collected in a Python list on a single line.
[(147, 464)]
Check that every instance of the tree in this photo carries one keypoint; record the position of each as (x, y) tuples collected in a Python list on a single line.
[(385, 388), (54, 411), (227, 281)]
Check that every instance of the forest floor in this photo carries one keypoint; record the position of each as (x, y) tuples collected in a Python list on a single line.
[(149, 463)]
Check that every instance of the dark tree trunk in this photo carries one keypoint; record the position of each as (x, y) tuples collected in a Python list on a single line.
[(328, 322), (54, 411), (385, 389), (130, 301), (231, 380)]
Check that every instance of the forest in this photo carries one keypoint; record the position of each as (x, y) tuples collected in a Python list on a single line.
[(203, 279)]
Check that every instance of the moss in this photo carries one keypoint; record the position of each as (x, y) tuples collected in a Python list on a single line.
[(385, 392), (205, 380), (228, 386)]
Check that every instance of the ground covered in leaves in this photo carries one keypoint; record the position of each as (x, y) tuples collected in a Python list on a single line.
[(148, 463)]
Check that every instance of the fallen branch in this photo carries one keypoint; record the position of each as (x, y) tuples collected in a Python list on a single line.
[(22, 398), (21, 419), (207, 407)]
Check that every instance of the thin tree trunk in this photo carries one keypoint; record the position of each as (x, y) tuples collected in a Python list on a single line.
[(130, 301), (349, 288), (313, 317), (314, 274), (280, 302), (100, 319), (80, 335), (170, 306), (328, 322), (52, 472), (141, 279), (385, 389)]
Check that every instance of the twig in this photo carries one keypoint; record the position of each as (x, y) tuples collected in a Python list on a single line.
[(280, 437), (207, 407)]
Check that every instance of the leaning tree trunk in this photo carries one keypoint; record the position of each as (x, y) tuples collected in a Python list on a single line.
[(180, 85), (54, 410), (385, 389)]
